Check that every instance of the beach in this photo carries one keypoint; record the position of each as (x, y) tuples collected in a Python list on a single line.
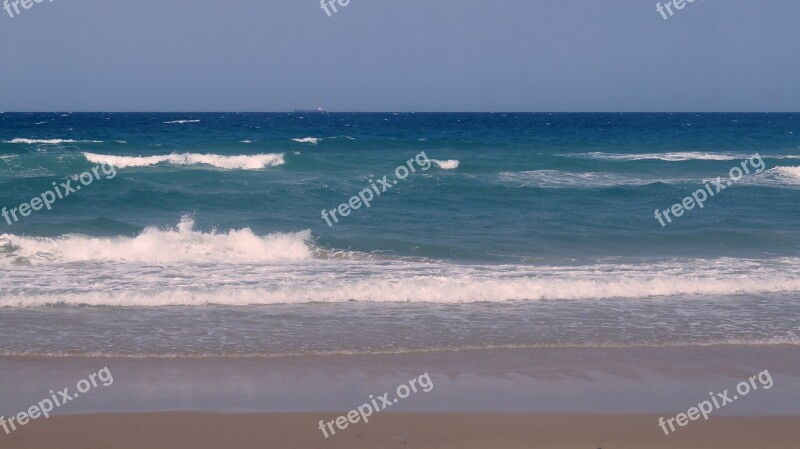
[(544, 398), (434, 431)]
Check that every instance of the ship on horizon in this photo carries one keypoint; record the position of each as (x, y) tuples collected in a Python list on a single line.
[(318, 110)]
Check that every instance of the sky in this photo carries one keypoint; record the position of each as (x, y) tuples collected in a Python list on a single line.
[(401, 55)]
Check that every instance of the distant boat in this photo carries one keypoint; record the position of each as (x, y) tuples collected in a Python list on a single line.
[(305, 111)]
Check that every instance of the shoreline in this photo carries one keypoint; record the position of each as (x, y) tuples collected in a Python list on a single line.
[(595, 380)]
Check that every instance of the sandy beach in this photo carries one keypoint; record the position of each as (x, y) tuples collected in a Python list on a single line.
[(396, 431), (505, 399)]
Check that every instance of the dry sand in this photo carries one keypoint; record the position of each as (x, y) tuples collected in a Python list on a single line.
[(400, 430)]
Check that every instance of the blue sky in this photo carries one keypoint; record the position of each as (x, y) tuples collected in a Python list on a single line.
[(400, 55)]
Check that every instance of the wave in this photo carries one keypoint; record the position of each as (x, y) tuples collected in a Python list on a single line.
[(777, 177), (311, 140), (787, 177), (49, 141), (174, 122), (242, 162), (670, 157), (405, 288), (446, 165), (792, 173), (184, 267), (176, 245), (561, 179), (677, 156)]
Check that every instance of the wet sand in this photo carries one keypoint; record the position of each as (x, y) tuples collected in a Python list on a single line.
[(532, 398)]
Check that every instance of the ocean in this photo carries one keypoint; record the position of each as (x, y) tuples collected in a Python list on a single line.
[(527, 230)]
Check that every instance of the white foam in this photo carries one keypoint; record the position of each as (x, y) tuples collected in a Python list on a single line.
[(178, 245), (181, 122), (388, 287), (182, 266), (670, 157), (789, 173), (242, 162), (785, 177), (48, 141), (311, 140), (562, 179), (451, 164)]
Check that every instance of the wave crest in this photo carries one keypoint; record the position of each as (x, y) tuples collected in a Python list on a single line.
[(669, 157), (562, 179), (451, 164), (776, 177), (49, 141), (181, 244), (312, 140), (791, 174), (242, 162)]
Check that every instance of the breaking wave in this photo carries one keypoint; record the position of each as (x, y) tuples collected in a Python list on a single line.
[(180, 244), (446, 165), (243, 162)]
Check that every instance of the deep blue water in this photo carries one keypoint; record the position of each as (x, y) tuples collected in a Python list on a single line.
[(528, 186)]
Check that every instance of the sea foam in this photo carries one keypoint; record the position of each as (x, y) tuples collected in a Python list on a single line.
[(49, 141), (399, 287), (181, 122), (242, 162), (181, 244), (312, 140), (562, 179), (669, 157), (451, 164), (776, 177)]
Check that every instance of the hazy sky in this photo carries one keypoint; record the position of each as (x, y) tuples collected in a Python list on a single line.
[(400, 55)]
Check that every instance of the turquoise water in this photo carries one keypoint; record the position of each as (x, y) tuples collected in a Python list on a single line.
[(530, 213)]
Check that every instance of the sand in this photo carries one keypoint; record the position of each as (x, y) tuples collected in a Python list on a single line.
[(393, 430), (542, 398)]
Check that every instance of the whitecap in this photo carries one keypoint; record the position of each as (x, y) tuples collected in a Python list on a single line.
[(241, 162)]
